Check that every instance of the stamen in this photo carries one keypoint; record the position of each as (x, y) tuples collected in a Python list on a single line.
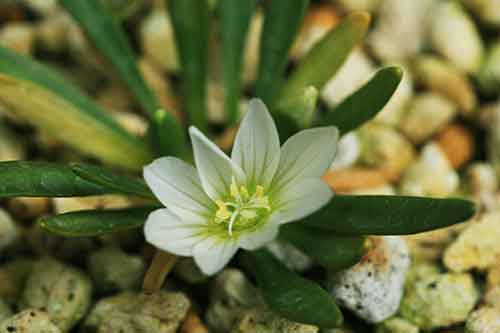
[(231, 222)]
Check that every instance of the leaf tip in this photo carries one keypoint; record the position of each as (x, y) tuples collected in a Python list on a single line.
[(361, 19)]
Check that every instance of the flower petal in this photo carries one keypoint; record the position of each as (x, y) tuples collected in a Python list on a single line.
[(257, 145), (261, 236), (168, 232), (177, 185), (307, 154), (214, 167), (301, 198), (212, 254)]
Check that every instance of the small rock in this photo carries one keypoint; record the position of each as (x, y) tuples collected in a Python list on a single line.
[(29, 321), (432, 175), (454, 35), (384, 148), (430, 245), (426, 115), (28, 207), (396, 325), (483, 320), (439, 300), (19, 37), (5, 310), (8, 230), (160, 312), (262, 320), (477, 246), (108, 201), (373, 288), (231, 295), (348, 150), (63, 292), (486, 10), (457, 143), (114, 270)]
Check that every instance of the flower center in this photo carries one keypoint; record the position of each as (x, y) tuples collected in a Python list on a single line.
[(241, 209)]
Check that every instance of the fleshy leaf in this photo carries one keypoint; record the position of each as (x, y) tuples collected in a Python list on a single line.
[(389, 215), (191, 24), (234, 19), (332, 251), (43, 179), (366, 102), (43, 98), (327, 55), (301, 107), (87, 223), (112, 182), (290, 295), (281, 23)]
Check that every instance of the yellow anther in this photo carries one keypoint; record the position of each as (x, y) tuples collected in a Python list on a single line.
[(222, 213), (244, 192), (259, 191), (234, 189)]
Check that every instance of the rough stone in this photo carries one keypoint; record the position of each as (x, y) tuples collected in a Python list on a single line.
[(373, 288)]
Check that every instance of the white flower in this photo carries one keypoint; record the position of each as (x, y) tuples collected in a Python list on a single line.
[(238, 202)]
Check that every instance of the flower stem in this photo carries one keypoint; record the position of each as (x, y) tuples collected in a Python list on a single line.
[(162, 264)]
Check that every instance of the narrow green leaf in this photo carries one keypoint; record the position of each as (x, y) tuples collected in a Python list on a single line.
[(366, 102), (191, 24), (41, 97), (332, 251), (112, 182), (389, 215), (122, 9), (109, 38), (167, 135), (87, 223), (290, 295), (327, 55), (42, 179), (301, 107), (281, 24), (234, 20)]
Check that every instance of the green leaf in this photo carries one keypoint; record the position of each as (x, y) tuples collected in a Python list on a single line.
[(389, 215), (234, 20), (327, 55), (43, 98), (109, 38), (290, 295), (281, 24), (167, 135), (366, 102), (191, 25), (112, 182), (122, 9), (42, 179), (87, 223), (301, 107), (332, 251)]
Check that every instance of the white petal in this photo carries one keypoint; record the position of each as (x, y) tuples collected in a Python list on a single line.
[(301, 198), (168, 232), (177, 185), (212, 254), (261, 236), (257, 145), (307, 154), (214, 167)]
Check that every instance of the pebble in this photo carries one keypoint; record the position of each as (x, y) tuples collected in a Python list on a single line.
[(113, 270), (161, 312), (8, 230), (373, 288), (484, 320), (477, 246), (396, 325), (5, 310), (62, 291), (438, 300), (29, 321)]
